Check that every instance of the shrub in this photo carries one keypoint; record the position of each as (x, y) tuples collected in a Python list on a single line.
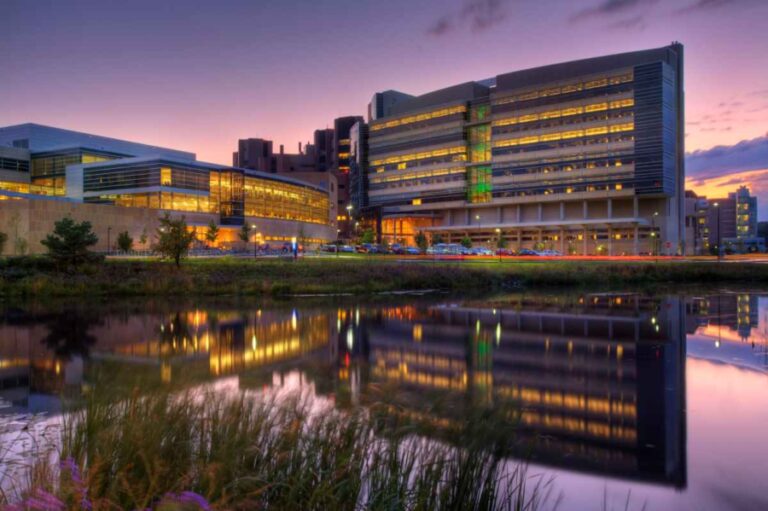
[(368, 236), (466, 242), (245, 233), (124, 241), (437, 239), (173, 238), (69, 243), (421, 241), (3, 240), (212, 233)]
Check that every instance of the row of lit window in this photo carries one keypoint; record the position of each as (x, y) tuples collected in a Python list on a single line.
[(416, 175), (566, 89), (564, 135), (565, 112), (563, 168), (410, 119), (421, 155)]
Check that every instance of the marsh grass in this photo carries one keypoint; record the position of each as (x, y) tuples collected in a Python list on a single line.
[(233, 276), (255, 453)]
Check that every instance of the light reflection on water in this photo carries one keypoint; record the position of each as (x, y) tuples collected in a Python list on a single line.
[(666, 397)]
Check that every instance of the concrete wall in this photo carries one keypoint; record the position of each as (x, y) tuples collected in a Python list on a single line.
[(27, 222)]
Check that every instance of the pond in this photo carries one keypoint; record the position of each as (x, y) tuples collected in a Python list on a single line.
[(658, 401)]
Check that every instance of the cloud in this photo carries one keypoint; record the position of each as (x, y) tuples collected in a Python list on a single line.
[(637, 22), (609, 8), (709, 5), (723, 160), (441, 26), (478, 15)]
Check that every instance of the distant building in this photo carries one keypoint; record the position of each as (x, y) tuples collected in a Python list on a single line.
[(726, 224)]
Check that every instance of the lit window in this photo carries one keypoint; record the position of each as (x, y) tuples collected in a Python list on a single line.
[(417, 202)]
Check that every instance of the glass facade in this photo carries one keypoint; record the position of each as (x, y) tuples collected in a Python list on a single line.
[(186, 187), (49, 169), (273, 199)]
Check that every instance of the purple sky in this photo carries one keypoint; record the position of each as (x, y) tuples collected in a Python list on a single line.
[(197, 75)]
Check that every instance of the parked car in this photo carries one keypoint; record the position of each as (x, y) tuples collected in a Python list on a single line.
[(527, 252), (329, 248), (505, 252), (549, 253), (347, 248), (481, 251), (412, 250)]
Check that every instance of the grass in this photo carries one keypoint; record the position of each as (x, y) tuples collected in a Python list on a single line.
[(199, 451), (248, 277)]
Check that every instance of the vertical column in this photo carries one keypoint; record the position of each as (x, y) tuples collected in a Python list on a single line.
[(635, 206), (610, 241), (562, 241), (584, 242), (636, 241), (610, 208), (540, 213), (562, 211), (500, 215), (519, 215)]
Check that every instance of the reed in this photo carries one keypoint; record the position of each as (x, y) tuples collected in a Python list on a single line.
[(199, 451)]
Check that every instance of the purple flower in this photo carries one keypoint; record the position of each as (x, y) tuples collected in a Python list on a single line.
[(40, 500), (189, 497)]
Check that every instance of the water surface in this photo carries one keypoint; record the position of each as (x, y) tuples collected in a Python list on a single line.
[(659, 399)]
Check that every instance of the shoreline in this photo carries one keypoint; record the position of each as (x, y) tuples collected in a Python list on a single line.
[(36, 277)]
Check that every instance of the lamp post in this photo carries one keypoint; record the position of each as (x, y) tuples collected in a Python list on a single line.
[(498, 243), (719, 235), (654, 246), (349, 217), (109, 235), (255, 240)]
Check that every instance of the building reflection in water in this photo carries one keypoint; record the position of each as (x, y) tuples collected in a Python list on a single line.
[(597, 380)]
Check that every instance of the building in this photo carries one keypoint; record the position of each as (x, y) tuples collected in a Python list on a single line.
[(80, 174), (696, 226), (584, 157), (732, 223)]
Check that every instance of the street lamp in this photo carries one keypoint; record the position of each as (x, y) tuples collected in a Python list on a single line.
[(109, 232), (498, 242), (719, 236), (255, 241)]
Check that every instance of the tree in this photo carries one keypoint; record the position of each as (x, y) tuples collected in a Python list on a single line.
[(3, 239), (124, 241), (501, 242), (173, 238), (437, 239), (421, 241), (143, 237), (466, 242), (245, 233), (69, 242), (212, 233), (368, 236)]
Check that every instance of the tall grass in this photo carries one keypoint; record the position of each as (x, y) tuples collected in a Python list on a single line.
[(249, 453), (229, 276)]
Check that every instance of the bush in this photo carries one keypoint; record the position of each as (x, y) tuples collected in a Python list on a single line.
[(421, 241), (124, 241), (368, 236), (3, 240), (466, 242), (212, 234), (68, 244)]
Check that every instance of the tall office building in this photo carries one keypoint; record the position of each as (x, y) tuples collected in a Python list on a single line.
[(585, 157)]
